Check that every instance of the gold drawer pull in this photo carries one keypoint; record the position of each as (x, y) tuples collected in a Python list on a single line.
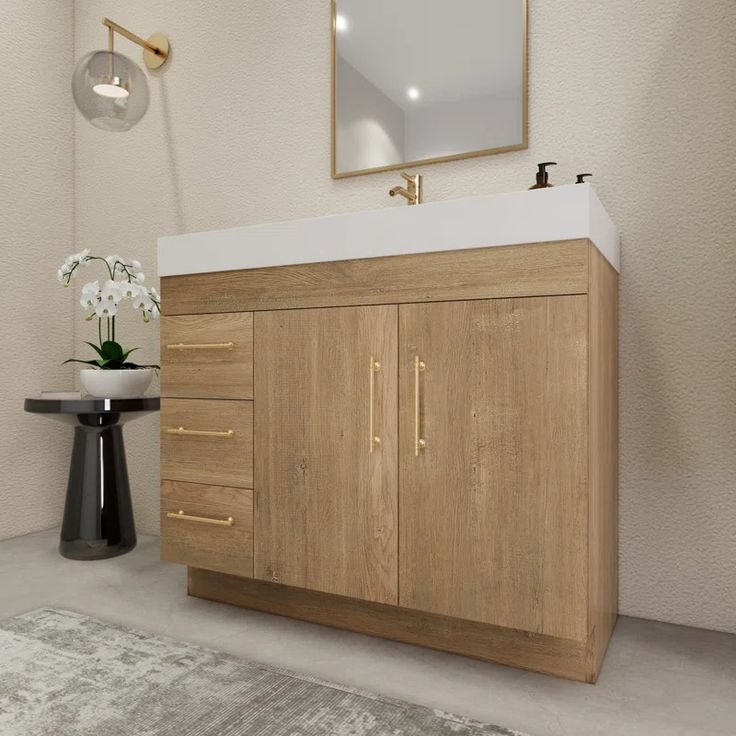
[(375, 440), (181, 432), (419, 442), (180, 346), (200, 519)]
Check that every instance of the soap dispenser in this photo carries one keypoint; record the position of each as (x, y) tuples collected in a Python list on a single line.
[(543, 175)]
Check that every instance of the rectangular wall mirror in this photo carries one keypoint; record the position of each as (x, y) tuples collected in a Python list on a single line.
[(422, 81)]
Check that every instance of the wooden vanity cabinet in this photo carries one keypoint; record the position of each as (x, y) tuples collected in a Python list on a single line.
[(434, 456)]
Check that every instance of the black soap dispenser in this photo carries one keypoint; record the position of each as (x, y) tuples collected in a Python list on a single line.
[(543, 175)]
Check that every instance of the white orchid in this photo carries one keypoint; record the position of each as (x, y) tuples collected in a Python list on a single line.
[(90, 294), (88, 302), (111, 292), (91, 287), (143, 300), (81, 258), (106, 309), (71, 263), (125, 282), (129, 290)]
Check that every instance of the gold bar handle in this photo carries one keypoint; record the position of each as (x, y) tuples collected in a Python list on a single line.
[(375, 440), (181, 346), (419, 442), (181, 432), (200, 519)]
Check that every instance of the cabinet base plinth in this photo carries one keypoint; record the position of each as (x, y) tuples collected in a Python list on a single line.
[(574, 660)]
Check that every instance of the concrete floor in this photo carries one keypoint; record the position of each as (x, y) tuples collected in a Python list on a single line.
[(658, 679)]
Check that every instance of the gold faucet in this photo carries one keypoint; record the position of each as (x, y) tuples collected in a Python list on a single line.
[(414, 192)]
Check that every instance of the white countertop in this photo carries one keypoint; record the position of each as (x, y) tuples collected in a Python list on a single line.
[(560, 213)]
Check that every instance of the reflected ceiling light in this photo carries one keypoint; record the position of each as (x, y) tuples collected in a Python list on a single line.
[(109, 89), (413, 93), (341, 22)]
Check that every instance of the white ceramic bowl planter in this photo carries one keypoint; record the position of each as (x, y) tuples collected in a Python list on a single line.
[(116, 384)]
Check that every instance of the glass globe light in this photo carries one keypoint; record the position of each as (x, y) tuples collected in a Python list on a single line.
[(110, 90)]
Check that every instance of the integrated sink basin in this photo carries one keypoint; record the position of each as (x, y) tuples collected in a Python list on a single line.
[(547, 215)]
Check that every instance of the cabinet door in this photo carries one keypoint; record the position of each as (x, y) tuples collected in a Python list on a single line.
[(493, 508), (325, 490)]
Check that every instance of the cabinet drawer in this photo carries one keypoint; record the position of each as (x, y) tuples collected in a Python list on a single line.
[(207, 356), (209, 527), (205, 441)]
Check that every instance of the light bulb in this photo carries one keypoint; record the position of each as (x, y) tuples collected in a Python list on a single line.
[(112, 88)]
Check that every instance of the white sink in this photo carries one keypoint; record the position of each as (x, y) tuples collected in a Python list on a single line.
[(540, 216)]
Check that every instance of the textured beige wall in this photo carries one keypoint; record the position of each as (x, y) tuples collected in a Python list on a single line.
[(643, 94), (36, 188)]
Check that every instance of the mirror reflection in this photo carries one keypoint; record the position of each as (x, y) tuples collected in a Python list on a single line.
[(422, 80)]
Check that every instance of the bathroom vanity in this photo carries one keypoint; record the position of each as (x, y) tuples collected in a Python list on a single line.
[(402, 423)]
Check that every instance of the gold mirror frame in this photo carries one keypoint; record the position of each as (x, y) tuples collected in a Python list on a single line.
[(441, 159)]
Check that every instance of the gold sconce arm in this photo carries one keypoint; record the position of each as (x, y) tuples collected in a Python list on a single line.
[(155, 48)]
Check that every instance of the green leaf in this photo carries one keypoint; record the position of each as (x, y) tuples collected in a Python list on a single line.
[(112, 357), (86, 362), (96, 349), (112, 350)]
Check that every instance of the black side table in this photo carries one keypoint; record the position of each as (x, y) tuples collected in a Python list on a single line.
[(98, 514)]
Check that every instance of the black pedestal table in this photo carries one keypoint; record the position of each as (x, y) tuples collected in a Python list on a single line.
[(98, 514)]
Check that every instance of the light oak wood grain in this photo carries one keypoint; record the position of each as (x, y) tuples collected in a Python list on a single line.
[(207, 373), (603, 455), (224, 549), (518, 270), (500, 540), (325, 505), (555, 656), (209, 460), (493, 511)]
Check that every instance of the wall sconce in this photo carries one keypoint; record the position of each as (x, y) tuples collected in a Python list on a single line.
[(109, 89)]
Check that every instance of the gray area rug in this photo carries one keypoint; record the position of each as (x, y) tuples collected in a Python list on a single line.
[(64, 674)]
